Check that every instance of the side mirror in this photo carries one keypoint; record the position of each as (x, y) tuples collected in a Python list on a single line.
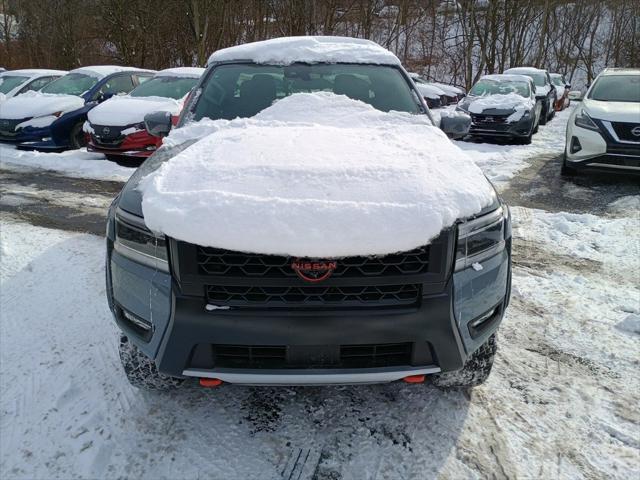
[(455, 124), (105, 96), (575, 95), (567, 86), (158, 124)]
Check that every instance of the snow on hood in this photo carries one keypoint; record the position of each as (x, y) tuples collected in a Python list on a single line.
[(612, 111), (429, 90), (509, 101), (309, 49), (127, 110), (37, 104), (317, 175)]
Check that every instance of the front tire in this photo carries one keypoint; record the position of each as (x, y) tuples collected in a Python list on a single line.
[(476, 370), (76, 137), (141, 371)]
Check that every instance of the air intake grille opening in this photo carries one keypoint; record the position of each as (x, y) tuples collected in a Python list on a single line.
[(313, 296)]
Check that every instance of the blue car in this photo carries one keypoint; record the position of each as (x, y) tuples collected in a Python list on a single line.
[(52, 118)]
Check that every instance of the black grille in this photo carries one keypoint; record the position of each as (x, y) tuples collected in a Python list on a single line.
[(488, 119), (313, 296), (213, 261), (108, 136), (326, 356), (383, 355), (624, 131)]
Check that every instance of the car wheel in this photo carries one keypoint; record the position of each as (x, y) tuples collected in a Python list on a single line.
[(141, 371), (76, 137), (543, 116), (476, 370), (566, 170), (552, 114)]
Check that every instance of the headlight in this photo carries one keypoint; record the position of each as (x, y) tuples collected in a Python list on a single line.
[(135, 241), (481, 238), (584, 120)]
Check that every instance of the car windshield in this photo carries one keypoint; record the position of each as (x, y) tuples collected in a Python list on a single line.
[(243, 90), (71, 84), (170, 87), (540, 79), (558, 81), (492, 87), (616, 88), (9, 82)]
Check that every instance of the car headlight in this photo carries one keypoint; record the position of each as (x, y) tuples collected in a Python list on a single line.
[(481, 238), (584, 120), (136, 242)]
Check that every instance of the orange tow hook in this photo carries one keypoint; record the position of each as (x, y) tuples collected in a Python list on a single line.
[(210, 382), (414, 379)]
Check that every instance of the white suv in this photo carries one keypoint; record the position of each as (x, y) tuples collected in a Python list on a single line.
[(603, 132)]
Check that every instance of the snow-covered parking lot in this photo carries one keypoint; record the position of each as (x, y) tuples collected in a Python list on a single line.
[(562, 401)]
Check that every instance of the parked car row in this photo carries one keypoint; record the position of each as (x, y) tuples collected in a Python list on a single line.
[(513, 104), (53, 114)]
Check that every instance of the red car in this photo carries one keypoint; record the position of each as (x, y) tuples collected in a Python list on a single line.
[(116, 127), (562, 91)]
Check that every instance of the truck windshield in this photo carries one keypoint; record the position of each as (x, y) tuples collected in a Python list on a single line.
[(9, 82), (491, 87), (243, 90), (616, 88), (162, 86), (71, 84)]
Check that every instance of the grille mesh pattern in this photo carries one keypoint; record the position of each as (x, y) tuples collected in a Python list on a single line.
[(213, 261), (623, 130), (288, 296)]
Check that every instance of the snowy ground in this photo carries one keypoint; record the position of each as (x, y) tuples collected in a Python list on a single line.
[(562, 401)]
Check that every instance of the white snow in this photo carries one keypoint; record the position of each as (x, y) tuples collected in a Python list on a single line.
[(101, 71), (38, 104), (500, 101), (430, 91), (309, 49), (318, 185), (447, 88), (73, 163), (127, 110), (189, 72)]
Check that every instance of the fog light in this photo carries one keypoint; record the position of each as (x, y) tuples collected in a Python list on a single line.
[(575, 145), (482, 318), (137, 321), (46, 139), (151, 147)]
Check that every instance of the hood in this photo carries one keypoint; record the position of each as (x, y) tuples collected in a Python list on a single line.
[(612, 111), (501, 104), (542, 91), (430, 91), (122, 111), (317, 175), (36, 104)]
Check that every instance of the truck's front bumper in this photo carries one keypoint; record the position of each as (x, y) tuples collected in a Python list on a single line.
[(436, 333)]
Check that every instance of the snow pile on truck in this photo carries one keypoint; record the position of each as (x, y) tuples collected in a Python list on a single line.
[(315, 175)]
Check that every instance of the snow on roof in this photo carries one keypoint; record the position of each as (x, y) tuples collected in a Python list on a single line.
[(525, 69), (319, 49), (502, 77), (104, 70), (32, 72), (189, 72), (317, 175)]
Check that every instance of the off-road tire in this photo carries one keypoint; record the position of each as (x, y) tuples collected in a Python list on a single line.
[(76, 137), (475, 371), (141, 371), (543, 116)]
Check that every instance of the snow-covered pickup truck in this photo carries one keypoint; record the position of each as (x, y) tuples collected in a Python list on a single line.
[(307, 223)]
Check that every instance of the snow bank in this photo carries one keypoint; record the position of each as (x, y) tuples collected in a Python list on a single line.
[(288, 50), (509, 101), (127, 110), (316, 175)]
